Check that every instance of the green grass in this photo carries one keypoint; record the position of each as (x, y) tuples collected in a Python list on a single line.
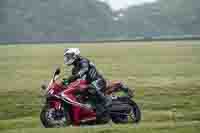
[(165, 75)]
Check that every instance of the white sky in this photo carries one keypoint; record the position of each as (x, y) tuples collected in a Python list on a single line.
[(118, 4)]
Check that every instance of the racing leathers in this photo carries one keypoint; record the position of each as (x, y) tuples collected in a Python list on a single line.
[(85, 69)]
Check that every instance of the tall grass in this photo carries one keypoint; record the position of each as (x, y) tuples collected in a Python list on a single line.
[(165, 75)]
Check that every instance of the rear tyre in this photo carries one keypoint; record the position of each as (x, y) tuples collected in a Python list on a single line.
[(135, 113)]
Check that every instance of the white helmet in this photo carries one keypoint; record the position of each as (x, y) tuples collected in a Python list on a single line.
[(70, 55)]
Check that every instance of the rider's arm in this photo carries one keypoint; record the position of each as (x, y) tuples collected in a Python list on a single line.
[(84, 68)]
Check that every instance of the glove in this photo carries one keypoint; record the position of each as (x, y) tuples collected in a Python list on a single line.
[(65, 81)]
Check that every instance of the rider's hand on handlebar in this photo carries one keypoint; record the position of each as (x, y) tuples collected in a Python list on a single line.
[(65, 81)]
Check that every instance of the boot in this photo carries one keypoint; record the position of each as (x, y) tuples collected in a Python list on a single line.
[(103, 105), (106, 101)]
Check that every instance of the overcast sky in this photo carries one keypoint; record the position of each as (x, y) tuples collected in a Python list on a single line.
[(118, 4)]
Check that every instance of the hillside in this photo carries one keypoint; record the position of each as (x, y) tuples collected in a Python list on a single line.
[(55, 20), (165, 17), (78, 20)]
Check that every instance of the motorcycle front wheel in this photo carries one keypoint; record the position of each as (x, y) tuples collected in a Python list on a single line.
[(52, 118)]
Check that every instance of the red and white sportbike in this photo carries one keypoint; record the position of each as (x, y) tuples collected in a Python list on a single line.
[(60, 110)]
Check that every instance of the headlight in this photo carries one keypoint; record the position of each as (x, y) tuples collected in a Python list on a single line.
[(43, 86)]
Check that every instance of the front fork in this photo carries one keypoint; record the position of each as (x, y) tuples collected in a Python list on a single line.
[(56, 104)]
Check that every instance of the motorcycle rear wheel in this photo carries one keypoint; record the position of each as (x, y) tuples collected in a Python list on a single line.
[(135, 113)]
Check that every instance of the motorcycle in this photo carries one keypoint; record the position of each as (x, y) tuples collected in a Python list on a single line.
[(59, 111)]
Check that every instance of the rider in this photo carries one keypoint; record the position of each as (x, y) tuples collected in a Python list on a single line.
[(85, 69)]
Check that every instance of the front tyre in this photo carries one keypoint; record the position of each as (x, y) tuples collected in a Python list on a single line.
[(52, 118)]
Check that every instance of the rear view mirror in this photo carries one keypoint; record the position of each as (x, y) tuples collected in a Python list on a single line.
[(57, 72)]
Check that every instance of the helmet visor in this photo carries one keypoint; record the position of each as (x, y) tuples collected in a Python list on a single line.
[(68, 59)]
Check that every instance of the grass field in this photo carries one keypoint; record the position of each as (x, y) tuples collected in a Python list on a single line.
[(165, 75)]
